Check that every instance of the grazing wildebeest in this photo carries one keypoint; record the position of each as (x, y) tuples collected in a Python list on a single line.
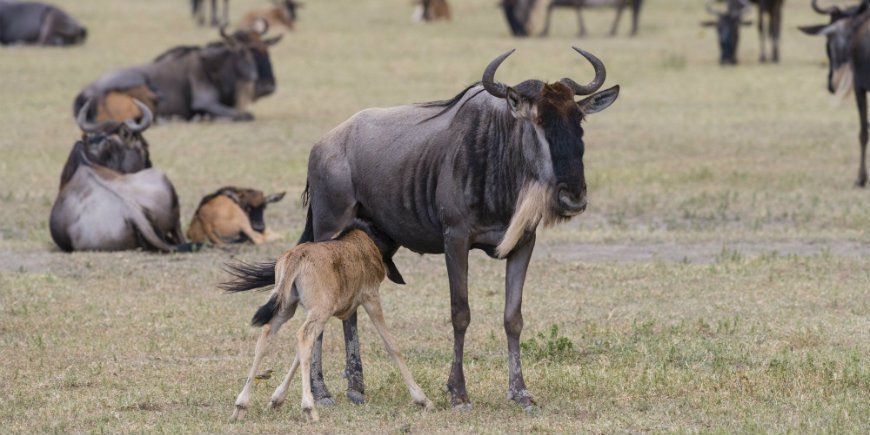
[(480, 170), (231, 215), (431, 10), (727, 26), (110, 197), (328, 278), (38, 23), (282, 14), (198, 12), (773, 9), (219, 80), (579, 5), (848, 48)]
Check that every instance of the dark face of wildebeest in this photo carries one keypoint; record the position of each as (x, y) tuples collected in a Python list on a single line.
[(253, 202), (728, 28), (116, 145), (258, 47), (839, 35)]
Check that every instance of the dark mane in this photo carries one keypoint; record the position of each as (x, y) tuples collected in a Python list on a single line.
[(77, 157), (178, 51), (448, 104), (219, 192)]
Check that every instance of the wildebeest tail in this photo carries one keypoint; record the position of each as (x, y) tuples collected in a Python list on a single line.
[(308, 232), (247, 276), (266, 312)]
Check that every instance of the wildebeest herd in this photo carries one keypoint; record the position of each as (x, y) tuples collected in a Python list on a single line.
[(480, 170)]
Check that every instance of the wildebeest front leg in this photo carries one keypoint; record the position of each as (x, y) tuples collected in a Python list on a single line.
[(615, 27), (774, 26), (581, 28), (761, 36), (861, 98), (353, 362), (456, 255), (515, 277)]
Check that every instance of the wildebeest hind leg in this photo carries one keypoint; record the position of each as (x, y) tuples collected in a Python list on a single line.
[(761, 36), (456, 255), (861, 98), (515, 277)]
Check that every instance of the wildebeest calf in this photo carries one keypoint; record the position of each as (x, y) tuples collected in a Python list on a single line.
[(329, 278), (231, 214)]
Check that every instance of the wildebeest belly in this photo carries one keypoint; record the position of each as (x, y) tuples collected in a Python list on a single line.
[(95, 222), (21, 22)]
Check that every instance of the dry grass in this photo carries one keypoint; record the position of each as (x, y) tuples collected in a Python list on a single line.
[(754, 156)]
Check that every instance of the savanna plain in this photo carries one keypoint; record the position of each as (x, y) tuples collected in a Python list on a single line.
[(718, 282)]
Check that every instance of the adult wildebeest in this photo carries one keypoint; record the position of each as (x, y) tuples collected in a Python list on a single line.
[(282, 14), (480, 170), (231, 215), (38, 23), (219, 80), (728, 27), (329, 278), (110, 198), (848, 48), (198, 12), (532, 17)]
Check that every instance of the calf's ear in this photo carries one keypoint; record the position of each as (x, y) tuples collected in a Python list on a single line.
[(598, 101), (275, 197)]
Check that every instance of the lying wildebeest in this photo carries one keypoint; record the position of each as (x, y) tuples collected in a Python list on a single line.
[(848, 48), (480, 170), (38, 23), (219, 80), (329, 278), (198, 12), (579, 5), (532, 17), (431, 10), (231, 215), (110, 198), (727, 26), (282, 14)]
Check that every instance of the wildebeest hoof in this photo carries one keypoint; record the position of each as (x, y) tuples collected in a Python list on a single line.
[(523, 398), (356, 397), (326, 401), (428, 405), (464, 407)]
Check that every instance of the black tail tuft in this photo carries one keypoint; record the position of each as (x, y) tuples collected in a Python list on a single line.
[(265, 313), (249, 277)]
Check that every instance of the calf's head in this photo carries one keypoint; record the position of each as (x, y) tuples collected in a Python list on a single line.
[(554, 152), (838, 33), (253, 202), (728, 28)]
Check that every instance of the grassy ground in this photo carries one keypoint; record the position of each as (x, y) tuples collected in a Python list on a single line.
[(718, 282)]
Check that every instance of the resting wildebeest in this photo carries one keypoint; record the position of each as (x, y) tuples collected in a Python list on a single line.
[(38, 23), (231, 215), (282, 14), (727, 26), (198, 12), (480, 170), (219, 80), (532, 17), (110, 197), (848, 48)]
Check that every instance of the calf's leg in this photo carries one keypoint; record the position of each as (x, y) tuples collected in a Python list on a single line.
[(375, 312), (305, 338), (515, 277)]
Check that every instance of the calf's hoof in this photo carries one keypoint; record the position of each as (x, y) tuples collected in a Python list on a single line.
[(275, 404), (239, 413), (311, 415), (356, 397), (427, 405)]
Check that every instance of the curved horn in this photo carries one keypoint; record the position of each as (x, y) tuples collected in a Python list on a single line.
[(261, 26), (88, 126), (496, 89), (595, 84), (709, 7), (228, 39), (829, 10), (147, 117)]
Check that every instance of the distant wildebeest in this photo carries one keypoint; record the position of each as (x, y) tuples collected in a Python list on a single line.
[(728, 27), (198, 11), (231, 215), (38, 23), (110, 197), (848, 48), (478, 171), (532, 17), (282, 14), (219, 80), (431, 10), (328, 278)]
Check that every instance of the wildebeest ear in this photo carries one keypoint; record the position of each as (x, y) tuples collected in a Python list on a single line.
[(393, 271), (708, 23), (273, 41), (275, 197), (513, 98), (598, 101), (818, 29)]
